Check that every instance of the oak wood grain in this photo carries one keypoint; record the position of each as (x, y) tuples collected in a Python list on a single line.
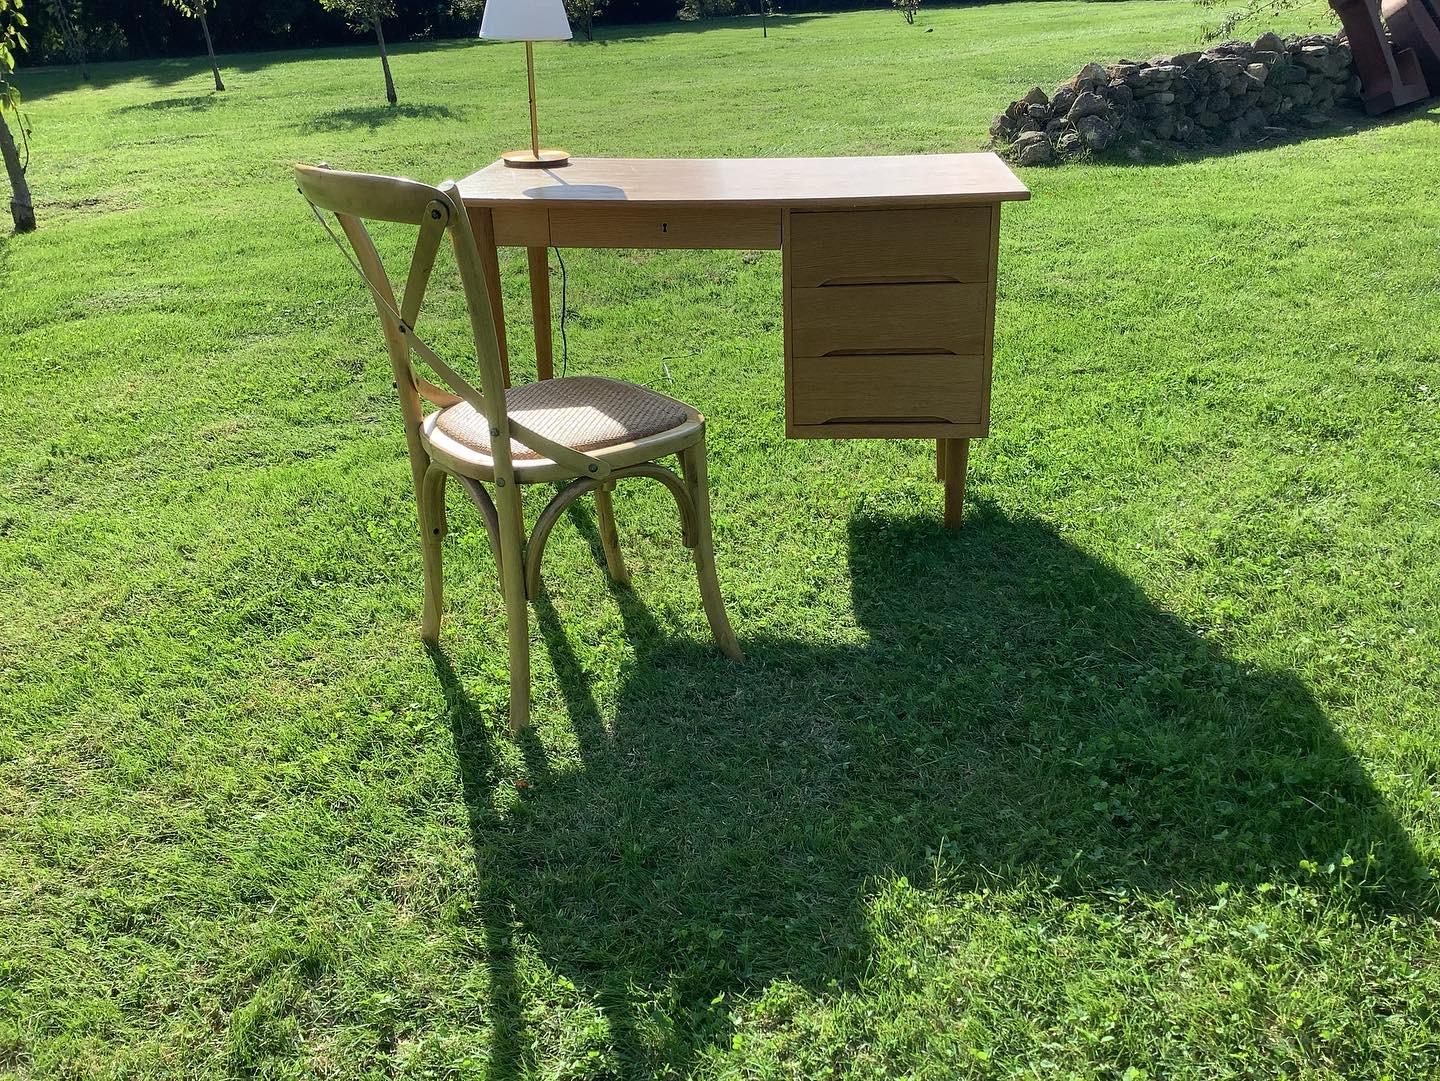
[(915, 179), (621, 226), (859, 247), (945, 318), (522, 227), (874, 389)]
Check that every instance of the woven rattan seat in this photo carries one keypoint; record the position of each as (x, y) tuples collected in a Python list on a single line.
[(583, 412)]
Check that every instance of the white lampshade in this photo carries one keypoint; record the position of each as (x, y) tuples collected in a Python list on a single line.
[(525, 20)]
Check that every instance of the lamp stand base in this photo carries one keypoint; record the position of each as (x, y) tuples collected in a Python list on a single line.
[(528, 159)]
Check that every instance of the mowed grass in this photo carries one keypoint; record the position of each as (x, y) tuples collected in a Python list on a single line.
[(1136, 776)]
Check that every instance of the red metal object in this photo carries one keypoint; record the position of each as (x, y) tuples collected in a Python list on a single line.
[(1415, 25), (1388, 78)]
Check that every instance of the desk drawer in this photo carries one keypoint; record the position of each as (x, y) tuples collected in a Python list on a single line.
[(889, 319), (681, 227), (911, 388), (859, 247)]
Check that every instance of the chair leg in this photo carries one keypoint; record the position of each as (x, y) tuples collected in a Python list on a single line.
[(517, 607), (517, 621), (609, 536), (433, 526), (697, 480)]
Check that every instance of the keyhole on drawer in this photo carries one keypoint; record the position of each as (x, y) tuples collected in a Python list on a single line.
[(664, 226)]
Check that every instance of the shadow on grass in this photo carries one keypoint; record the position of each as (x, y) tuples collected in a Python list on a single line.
[(646, 31), (44, 82), (1342, 124), (375, 116), (1020, 716), (197, 103), (160, 73)]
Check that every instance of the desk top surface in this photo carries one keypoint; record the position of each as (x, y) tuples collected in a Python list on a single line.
[(930, 179)]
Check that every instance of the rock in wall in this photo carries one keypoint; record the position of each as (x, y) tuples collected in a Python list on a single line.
[(1229, 93)]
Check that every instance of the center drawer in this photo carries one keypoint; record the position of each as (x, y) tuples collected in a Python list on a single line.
[(670, 227), (836, 320)]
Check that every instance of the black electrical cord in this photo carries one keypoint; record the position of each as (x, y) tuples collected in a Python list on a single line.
[(564, 311)]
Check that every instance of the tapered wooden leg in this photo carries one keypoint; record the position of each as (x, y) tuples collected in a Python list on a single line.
[(609, 536), (517, 621), (940, 460), (432, 530), (482, 224), (517, 608), (540, 309), (697, 480), (957, 461)]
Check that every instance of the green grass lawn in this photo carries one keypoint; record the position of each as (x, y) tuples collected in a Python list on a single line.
[(1136, 776)]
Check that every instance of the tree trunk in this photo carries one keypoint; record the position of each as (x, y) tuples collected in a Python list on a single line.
[(209, 47), (390, 95), (20, 207), (589, 20)]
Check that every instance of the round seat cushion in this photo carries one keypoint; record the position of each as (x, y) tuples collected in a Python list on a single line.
[(582, 412)]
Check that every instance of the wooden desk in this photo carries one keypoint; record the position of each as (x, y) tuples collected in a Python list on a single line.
[(889, 272)]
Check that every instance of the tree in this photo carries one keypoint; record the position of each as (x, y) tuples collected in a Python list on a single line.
[(1249, 12), (473, 11), (363, 15), (70, 35), (196, 10), (12, 22), (583, 12), (908, 8)]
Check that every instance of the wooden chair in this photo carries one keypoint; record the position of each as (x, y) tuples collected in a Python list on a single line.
[(585, 430)]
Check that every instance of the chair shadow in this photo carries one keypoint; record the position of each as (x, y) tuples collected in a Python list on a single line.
[(374, 117), (1020, 713)]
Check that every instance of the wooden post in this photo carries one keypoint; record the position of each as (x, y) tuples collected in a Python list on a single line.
[(957, 461), (540, 309), (482, 224), (534, 122)]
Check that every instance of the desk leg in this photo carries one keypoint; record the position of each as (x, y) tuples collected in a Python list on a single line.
[(482, 224), (540, 309), (940, 461), (955, 455)]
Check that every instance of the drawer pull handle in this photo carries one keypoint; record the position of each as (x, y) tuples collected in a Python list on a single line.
[(926, 352), (887, 420), (841, 281)]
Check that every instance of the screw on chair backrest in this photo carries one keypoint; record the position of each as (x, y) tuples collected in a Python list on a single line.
[(355, 198)]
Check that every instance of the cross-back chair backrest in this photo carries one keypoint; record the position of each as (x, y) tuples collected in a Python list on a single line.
[(354, 199)]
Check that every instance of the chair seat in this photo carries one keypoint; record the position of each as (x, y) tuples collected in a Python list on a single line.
[(584, 412)]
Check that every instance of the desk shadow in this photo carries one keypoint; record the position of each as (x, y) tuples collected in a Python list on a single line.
[(1020, 713)]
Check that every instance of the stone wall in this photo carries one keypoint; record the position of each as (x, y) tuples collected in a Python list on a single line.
[(1235, 92)]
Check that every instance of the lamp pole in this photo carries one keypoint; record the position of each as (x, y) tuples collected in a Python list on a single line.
[(534, 123)]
